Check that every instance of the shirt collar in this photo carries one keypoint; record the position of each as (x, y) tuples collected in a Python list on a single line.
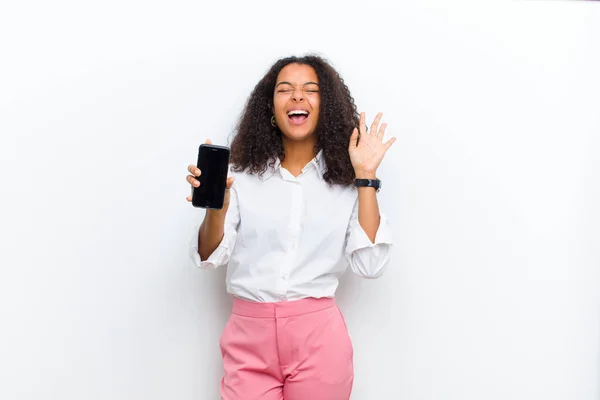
[(318, 162)]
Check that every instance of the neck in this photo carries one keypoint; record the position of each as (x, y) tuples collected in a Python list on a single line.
[(297, 155)]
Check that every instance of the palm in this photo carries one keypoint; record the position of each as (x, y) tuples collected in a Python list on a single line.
[(367, 152)]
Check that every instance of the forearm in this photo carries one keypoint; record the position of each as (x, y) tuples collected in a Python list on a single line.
[(211, 232), (368, 211), (368, 208)]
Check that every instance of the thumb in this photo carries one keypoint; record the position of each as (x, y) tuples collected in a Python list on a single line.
[(229, 182), (208, 141), (354, 139)]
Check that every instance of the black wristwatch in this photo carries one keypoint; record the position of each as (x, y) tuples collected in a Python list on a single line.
[(374, 183)]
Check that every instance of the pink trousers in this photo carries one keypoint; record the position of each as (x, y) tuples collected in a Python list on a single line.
[(297, 350)]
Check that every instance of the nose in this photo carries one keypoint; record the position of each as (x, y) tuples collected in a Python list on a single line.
[(298, 95)]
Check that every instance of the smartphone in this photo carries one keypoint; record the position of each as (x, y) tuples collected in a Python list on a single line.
[(213, 162)]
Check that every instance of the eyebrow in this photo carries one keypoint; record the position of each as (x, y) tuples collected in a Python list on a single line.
[(287, 83)]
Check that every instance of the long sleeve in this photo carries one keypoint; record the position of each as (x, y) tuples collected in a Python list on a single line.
[(367, 259), (220, 256)]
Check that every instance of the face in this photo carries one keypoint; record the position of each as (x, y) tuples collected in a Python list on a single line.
[(296, 101)]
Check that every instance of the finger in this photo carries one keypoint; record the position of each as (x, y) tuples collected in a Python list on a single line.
[(381, 131), (192, 181), (362, 126), (389, 143), (192, 169), (208, 141), (229, 183), (375, 124), (189, 198), (353, 139)]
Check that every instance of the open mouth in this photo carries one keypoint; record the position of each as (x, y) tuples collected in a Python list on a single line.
[(297, 117)]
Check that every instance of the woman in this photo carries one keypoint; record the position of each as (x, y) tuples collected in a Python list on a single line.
[(298, 211)]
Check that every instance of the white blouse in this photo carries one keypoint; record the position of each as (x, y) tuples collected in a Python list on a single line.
[(287, 238)]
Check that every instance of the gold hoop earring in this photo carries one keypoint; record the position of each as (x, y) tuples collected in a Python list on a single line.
[(273, 121)]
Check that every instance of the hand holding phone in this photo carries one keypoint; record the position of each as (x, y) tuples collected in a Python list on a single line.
[(209, 177)]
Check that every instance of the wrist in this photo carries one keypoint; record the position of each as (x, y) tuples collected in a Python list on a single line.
[(365, 175), (365, 184), (213, 214)]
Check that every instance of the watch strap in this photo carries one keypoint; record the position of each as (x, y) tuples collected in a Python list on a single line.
[(374, 183)]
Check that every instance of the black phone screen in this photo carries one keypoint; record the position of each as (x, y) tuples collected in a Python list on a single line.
[(213, 162)]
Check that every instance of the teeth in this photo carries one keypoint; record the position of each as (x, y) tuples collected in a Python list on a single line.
[(298, 112)]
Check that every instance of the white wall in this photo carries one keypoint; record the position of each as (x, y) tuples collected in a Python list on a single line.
[(492, 189)]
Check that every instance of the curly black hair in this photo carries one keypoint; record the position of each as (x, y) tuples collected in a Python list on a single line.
[(257, 143)]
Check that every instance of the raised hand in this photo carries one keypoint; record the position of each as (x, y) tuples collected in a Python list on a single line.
[(194, 173), (366, 148)]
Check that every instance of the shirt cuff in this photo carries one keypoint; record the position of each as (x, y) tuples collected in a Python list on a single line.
[(360, 240), (219, 257)]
